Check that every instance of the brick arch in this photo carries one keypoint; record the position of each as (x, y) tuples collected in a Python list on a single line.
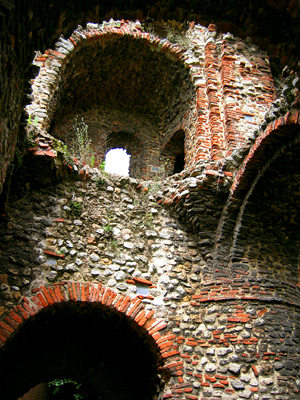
[(207, 107), (263, 163), (56, 295), (267, 143), (45, 297), (54, 65)]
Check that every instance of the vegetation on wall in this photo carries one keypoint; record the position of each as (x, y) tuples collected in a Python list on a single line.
[(68, 389), (79, 151)]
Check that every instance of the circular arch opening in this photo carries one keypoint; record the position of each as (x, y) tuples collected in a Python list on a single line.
[(259, 229), (126, 73), (270, 164), (123, 83), (268, 233), (88, 343)]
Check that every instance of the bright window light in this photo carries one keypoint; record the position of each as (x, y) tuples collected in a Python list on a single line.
[(117, 162)]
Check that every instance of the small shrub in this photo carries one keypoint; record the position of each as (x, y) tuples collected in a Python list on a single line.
[(76, 208), (81, 145)]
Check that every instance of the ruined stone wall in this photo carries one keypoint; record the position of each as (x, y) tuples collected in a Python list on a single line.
[(214, 88), (273, 26), (223, 338), (111, 232), (202, 266)]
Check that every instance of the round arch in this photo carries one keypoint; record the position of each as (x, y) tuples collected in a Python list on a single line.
[(88, 333), (119, 79), (258, 227), (267, 145)]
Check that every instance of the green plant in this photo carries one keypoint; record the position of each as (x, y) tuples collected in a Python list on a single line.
[(177, 38), (31, 126), (76, 208), (148, 220), (102, 166), (100, 181), (62, 148), (102, 169), (30, 122), (173, 31), (67, 154), (154, 187), (81, 145), (62, 251), (107, 228), (66, 389), (164, 167), (113, 244), (92, 161)]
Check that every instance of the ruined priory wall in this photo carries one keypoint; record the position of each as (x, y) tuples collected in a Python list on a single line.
[(228, 339), (212, 86)]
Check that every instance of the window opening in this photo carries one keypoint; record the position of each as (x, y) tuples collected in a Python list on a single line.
[(174, 153), (117, 162), (179, 163)]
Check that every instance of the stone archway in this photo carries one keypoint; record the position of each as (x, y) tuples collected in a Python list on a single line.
[(122, 78), (257, 209), (86, 332)]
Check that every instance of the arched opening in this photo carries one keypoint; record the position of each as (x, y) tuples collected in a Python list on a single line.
[(88, 343), (129, 86), (133, 151), (173, 153), (257, 213), (117, 161), (266, 233), (179, 163)]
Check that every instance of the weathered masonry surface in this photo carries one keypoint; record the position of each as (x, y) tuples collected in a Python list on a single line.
[(214, 88), (183, 286)]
